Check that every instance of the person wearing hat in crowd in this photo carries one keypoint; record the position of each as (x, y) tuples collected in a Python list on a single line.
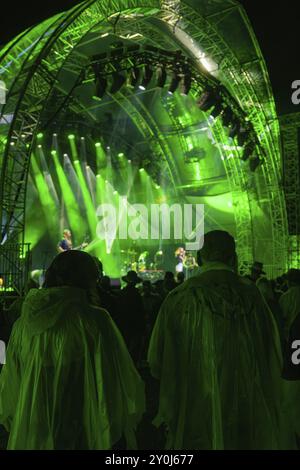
[(69, 382), (290, 300), (256, 272), (132, 322), (216, 351)]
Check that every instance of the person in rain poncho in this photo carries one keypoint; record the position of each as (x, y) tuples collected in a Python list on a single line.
[(290, 304), (68, 381), (290, 300), (216, 351)]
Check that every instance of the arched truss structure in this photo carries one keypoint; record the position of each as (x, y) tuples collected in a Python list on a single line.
[(290, 132), (216, 35)]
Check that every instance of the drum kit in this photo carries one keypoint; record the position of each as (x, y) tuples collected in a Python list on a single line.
[(133, 260), (141, 263)]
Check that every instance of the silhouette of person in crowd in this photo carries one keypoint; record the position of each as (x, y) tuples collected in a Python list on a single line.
[(69, 381), (216, 351), (132, 320)]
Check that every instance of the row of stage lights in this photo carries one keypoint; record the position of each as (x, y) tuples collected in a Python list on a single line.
[(120, 155), (141, 77), (213, 101), (173, 69)]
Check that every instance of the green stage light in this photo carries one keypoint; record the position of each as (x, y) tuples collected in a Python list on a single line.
[(71, 136), (97, 144), (40, 135), (87, 198), (71, 203), (45, 197), (98, 176)]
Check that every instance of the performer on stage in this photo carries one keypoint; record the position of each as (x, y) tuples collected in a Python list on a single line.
[(66, 243), (180, 256), (143, 262), (190, 265)]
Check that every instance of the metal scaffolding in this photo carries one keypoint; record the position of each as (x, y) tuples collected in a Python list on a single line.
[(34, 61), (290, 133)]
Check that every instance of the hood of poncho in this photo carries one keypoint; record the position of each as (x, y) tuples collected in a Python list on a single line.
[(43, 308)]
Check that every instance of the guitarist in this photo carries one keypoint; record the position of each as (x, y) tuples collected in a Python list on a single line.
[(66, 243)]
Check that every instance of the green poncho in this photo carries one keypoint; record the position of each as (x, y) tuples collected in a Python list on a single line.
[(68, 382), (290, 306), (215, 349)]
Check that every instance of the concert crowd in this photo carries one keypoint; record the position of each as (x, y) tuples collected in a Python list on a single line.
[(208, 362)]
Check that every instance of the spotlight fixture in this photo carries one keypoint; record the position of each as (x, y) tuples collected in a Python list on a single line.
[(187, 84), (101, 84), (207, 100), (161, 77), (134, 77), (248, 150), (242, 136), (227, 116), (218, 108), (148, 74), (234, 128), (254, 163), (117, 83), (174, 83)]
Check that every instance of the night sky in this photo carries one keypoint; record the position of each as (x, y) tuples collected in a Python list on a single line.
[(275, 23)]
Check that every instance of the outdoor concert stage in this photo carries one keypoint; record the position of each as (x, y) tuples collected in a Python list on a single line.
[(155, 104)]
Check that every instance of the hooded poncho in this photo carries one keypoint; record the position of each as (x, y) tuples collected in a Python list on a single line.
[(216, 351), (290, 306), (69, 381)]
